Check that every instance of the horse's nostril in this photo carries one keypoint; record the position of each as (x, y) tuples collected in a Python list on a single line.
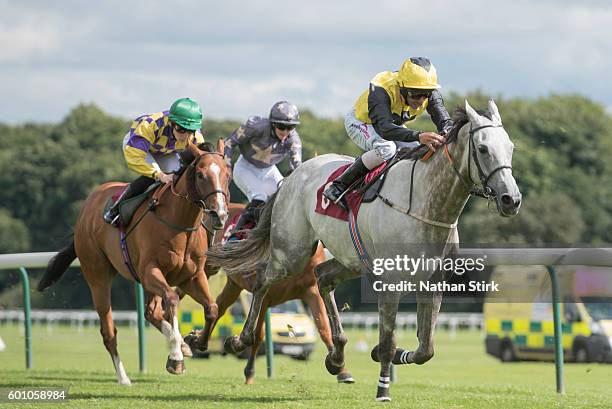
[(517, 202), (507, 199)]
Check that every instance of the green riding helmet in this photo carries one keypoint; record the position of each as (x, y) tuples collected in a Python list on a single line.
[(186, 113)]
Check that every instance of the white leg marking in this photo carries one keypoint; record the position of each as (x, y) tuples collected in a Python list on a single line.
[(121, 375), (173, 336)]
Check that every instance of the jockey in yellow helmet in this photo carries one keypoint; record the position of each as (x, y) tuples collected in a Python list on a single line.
[(377, 121)]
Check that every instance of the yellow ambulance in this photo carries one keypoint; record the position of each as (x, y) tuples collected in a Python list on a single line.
[(519, 318)]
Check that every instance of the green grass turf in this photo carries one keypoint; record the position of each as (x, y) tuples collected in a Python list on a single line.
[(461, 375)]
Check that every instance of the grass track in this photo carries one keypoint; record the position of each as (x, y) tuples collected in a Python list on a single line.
[(461, 375)]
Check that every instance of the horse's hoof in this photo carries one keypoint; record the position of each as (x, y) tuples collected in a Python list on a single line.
[(194, 348), (125, 382), (249, 381), (232, 345), (383, 399), (374, 354), (175, 367), (331, 367), (186, 350), (345, 377)]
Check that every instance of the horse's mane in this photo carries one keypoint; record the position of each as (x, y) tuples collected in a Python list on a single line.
[(460, 118), (187, 156)]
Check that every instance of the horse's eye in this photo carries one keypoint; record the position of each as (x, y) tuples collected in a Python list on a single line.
[(200, 176), (483, 149)]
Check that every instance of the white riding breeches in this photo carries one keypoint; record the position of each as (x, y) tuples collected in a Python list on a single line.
[(169, 162), (256, 183), (364, 135)]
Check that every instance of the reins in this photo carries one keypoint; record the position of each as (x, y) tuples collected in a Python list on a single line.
[(192, 197), (483, 190)]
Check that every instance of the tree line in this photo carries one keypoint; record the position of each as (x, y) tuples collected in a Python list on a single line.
[(561, 163)]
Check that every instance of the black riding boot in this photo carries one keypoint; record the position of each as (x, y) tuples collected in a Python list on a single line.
[(249, 215), (136, 187), (342, 182)]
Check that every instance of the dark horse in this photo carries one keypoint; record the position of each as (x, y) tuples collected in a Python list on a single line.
[(302, 287), (167, 248)]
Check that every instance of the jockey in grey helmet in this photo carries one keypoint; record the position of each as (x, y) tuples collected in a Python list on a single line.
[(263, 143)]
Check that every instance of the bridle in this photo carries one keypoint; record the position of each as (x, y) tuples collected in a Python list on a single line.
[(193, 196), (192, 192), (483, 190)]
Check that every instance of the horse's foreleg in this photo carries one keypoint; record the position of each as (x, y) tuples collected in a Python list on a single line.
[(153, 281), (197, 288), (387, 307), (329, 274), (237, 344), (249, 369), (317, 307), (428, 307), (101, 295), (154, 313)]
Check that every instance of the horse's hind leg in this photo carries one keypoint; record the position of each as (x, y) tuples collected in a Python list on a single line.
[(316, 304), (101, 294), (329, 274), (153, 281)]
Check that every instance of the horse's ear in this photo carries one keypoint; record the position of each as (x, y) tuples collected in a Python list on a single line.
[(220, 145), (193, 148), (473, 116), (494, 112)]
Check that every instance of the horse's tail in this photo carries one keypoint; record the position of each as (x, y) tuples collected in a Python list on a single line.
[(57, 266), (248, 255)]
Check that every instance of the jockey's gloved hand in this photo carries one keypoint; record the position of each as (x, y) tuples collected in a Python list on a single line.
[(163, 177), (431, 139)]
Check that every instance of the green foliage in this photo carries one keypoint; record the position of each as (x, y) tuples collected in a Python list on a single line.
[(561, 163), (551, 218), (14, 235)]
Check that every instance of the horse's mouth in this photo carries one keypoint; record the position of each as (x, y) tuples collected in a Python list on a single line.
[(508, 205), (216, 221)]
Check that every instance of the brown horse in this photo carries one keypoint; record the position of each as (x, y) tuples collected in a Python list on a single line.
[(167, 247), (302, 287)]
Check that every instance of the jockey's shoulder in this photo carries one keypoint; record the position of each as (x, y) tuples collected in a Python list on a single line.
[(385, 79), (256, 122)]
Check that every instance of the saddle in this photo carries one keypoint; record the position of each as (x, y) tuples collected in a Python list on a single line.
[(372, 188), (366, 189), (128, 207)]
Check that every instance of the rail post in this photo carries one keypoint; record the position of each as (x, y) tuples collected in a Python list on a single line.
[(558, 332), (26, 313)]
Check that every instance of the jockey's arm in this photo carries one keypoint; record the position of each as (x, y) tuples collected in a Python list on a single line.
[(295, 151), (439, 114), (379, 111), (236, 138), (136, 149)]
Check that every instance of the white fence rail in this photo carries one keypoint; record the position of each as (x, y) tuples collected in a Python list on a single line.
[(365, 320)]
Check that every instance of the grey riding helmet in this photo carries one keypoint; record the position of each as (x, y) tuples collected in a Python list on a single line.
[(284, 112)]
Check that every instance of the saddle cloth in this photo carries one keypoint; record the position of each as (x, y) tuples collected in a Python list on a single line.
[(353, 199)]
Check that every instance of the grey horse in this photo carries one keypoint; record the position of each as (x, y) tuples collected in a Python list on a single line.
[(426, 211)]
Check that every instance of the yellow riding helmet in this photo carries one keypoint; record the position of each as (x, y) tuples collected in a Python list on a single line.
[(418, 73)]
